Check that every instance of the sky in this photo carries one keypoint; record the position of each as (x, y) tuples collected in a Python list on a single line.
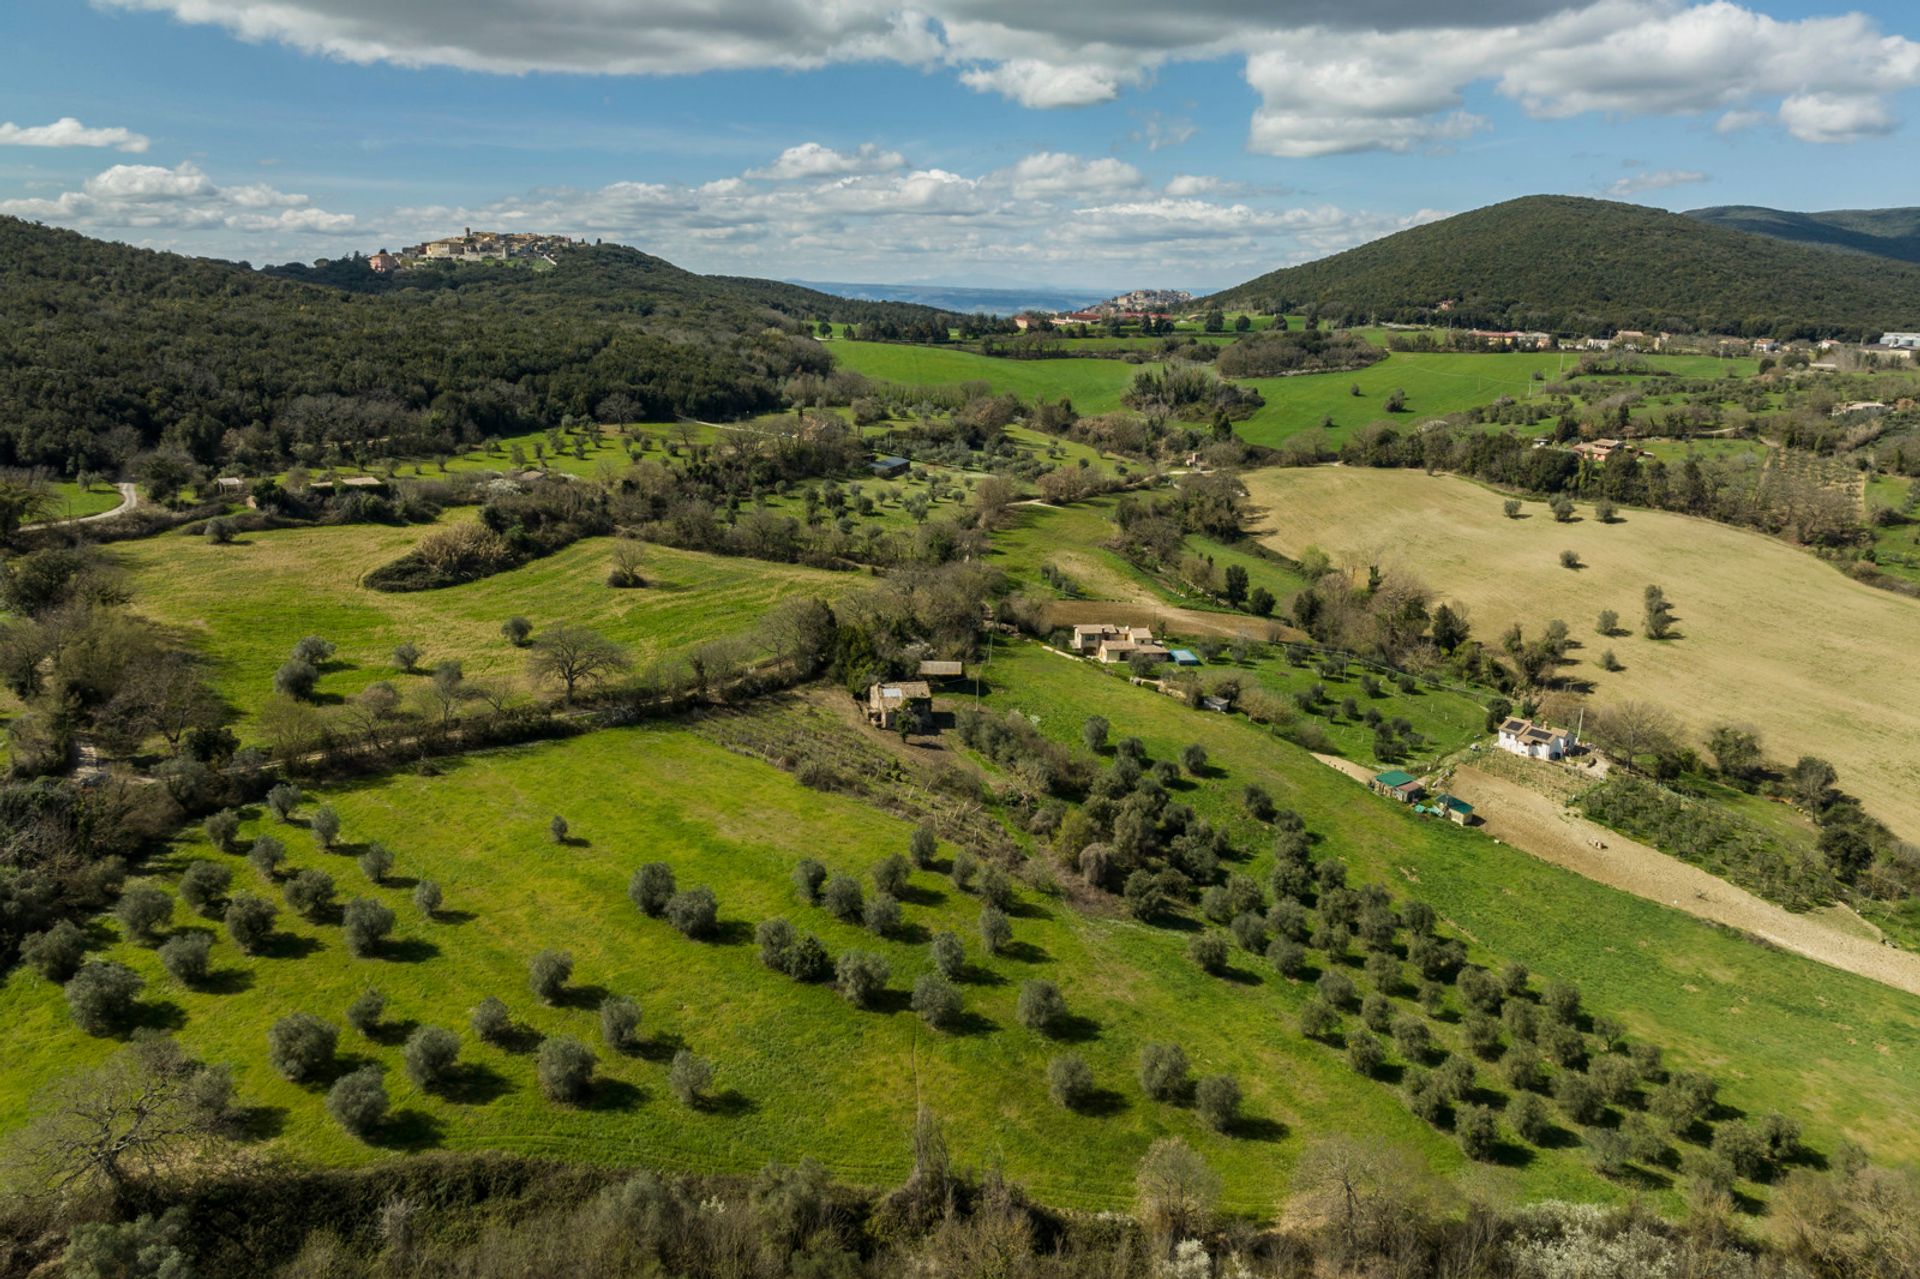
[(996, 143)]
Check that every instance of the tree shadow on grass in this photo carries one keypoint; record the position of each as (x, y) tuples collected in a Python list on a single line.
[(408, 950), (408, 1129), (290, 946), (910, 934), (453, 918), (404, 883), (155, 1014), (660, 1047), (613, 1094), (1072, 1028), (393, 1032), (978, 975), (970, 1023), (731, 1104), (1028, 910), (729, 932), (1257, 1128), (1102, 1103), (1025, 952), (1508, 1154), (518, 1039), (259, 1123), (1238, 976), (913, 895), (587, 995), (473, 1083), (226, 981)]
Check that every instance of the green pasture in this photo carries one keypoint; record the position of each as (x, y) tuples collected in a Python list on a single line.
[(246, 604)]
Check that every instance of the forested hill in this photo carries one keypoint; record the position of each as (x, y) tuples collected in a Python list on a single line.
[(109, 352), (1571, 265), (1887, 233)]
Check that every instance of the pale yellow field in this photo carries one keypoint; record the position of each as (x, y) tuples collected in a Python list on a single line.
[(1769, 635)]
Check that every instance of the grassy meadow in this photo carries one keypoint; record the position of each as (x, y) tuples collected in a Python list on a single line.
[(246, 604), (799, 1072), (1841, 685)]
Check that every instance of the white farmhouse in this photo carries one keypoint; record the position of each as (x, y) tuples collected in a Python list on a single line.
[(1536, 741)]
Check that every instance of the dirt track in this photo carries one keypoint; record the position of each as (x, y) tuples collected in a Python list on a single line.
[(1535, 824)]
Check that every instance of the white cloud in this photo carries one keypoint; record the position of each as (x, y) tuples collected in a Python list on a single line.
[(1183, 185), (812, 160), (1655, 180), (1051, 173), (1369, 74), (1835, 117), (69, 132), (1739, 121), (147, 198)]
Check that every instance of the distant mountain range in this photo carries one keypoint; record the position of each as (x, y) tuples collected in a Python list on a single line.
[(966, 301), (1887, 233), (1566, 264)]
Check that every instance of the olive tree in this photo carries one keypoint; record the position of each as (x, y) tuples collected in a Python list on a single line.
[(996, 933), (651, 888), (695, 912), (1217, 1098), (142, 909), (427, 897), (204, 885), (365, 924), (689, 1077), (949, 955), (619, 1020), (1163, 1071), (310, 893), (376, 862), (101, 995), (366, 1010), (1041, 1007), (565, 1069), (430, 1056), (249, 921), (548, 973), (325, 825), (266, 855), (861, 976), (491, 1020), (56, 953), (1069, 1081), (358, 1101), (936, 1000), (185, 957), (301, 1047)]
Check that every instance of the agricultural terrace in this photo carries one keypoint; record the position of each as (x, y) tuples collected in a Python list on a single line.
[(245, 605), (798, 1071), (1767, 635)]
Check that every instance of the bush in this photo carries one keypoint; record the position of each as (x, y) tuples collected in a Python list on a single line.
[(949, 955), (809, 960), (283, 799), (1249, 931), (221, 827), (491, 1020), (1412, 1038), (774, 938), (1376, 1013), (1685, 1101), (325, 825), (619, 1019), (1745, 1149), (301, 1047), (651, 888), (808, 876), (548, 973), (843, 899), (1482, 1035), (1318, 1019), (310, 893), (1478, 1130), (427, 897), (313, 649), (890, 875), (694, 912), (1578, 1099), (186, 957), (557, 829), (1041, 1007), (250, 921), (1562, 1002), (1524, 1068), (1287, 957), (1217, 1098), (923, 847), (55, 954), (101, 995), (1365, 1053), (1069, 1081), (936, 1000), (430, 1055), (204, 887), (689, 1077), (376, 862), (1209, 950), (366, 923), (517, 631), (266, 855), (296, 679), (142, 909), (359, 1100), (1529, 1117), (996, 933), (965, 868), (366, 1010), (565, 1069), (995, 887), (1569, 559), (1336, 988), (882, 914), (861, 976), (1163, 1071)]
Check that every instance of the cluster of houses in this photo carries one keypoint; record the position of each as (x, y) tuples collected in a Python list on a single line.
[(475, 246), (1398, 784)]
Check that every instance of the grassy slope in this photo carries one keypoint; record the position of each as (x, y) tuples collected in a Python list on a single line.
[(70, 501), (246, 604), (1769, 635), (801, 1073)]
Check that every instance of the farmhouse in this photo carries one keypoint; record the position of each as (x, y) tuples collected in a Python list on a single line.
[(1536, 741), (1125, 650), (1602, 449), (1398, 784), (1087, 639), (886, 701), (1859, 406)]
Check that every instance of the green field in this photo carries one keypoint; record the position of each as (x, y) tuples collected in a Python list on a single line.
[(246, 604), (1896, 546), (1094, 386), (798, 1072), (70, 501)]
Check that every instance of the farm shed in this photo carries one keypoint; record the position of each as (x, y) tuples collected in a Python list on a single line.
[(884, 701), (890, 468), (1398, 784)]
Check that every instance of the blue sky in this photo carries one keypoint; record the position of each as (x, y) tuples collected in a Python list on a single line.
[(963, 141)]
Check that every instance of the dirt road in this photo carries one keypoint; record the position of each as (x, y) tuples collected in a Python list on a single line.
[(1535, 824), (129, 499)]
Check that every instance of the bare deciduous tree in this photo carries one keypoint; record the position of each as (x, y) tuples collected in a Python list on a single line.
[(575, 656)]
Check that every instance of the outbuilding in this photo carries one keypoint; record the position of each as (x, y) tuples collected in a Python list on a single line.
[(1398, 784)]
